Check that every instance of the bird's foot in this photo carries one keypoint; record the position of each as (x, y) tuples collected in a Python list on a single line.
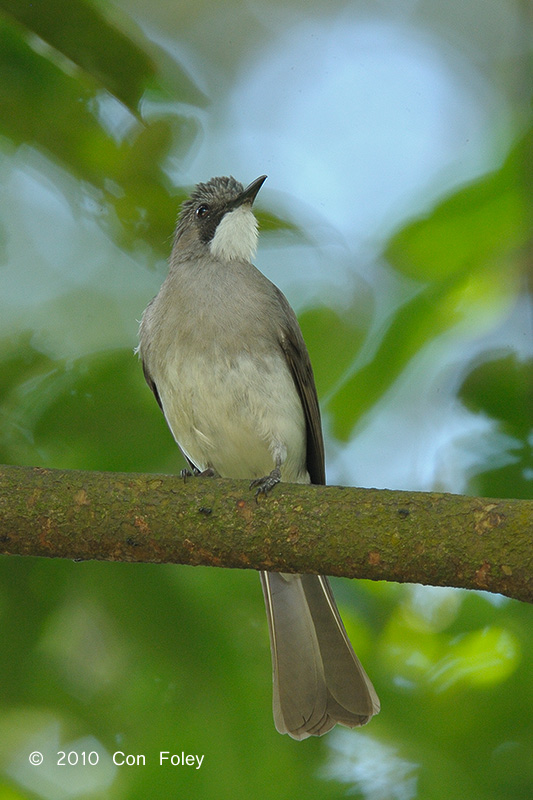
[(266, 483), (206, 473)]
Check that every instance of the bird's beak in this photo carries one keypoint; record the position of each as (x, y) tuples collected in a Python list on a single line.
[(250, 193)]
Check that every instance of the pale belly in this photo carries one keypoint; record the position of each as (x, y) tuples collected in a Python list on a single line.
[(238, 417)]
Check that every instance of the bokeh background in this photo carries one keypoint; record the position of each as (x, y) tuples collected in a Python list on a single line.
[(397, 219)]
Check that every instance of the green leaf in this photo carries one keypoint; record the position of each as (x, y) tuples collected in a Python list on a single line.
[(502, 388), (480, 223), (80, 32), (45, 106), (470, 252)]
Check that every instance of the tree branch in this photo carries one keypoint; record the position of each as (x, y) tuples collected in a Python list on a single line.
[(416, 537)]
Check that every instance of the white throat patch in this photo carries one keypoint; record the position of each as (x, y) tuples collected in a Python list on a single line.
[(236, 235)]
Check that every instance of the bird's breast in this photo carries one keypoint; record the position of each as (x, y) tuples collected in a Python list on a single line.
[(235, 413), (225, 386)]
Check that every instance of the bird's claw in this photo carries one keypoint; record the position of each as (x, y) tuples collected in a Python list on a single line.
[(266, 483), (206, 473)]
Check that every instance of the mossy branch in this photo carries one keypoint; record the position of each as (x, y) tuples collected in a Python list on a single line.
[(416, 537)]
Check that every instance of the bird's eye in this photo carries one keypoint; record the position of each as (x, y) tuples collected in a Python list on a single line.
[(202, 210)]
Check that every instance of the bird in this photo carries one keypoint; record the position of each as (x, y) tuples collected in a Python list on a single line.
[(223, 353)]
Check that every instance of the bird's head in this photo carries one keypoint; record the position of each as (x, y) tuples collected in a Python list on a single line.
[(218, 218)]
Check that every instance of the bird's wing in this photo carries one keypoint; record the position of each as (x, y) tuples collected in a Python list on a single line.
[(151, 383), (293, 346)]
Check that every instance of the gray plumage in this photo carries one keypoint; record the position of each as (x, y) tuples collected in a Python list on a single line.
[(224, 355)]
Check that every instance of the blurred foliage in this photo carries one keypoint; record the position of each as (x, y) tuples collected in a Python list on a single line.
[(61, 413), (323, 329), (502, 389), (83, 35), (52, 93), (57, 105), (143, 658), (469, 256)]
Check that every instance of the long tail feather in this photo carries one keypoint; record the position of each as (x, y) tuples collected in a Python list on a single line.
[(318, 679)]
